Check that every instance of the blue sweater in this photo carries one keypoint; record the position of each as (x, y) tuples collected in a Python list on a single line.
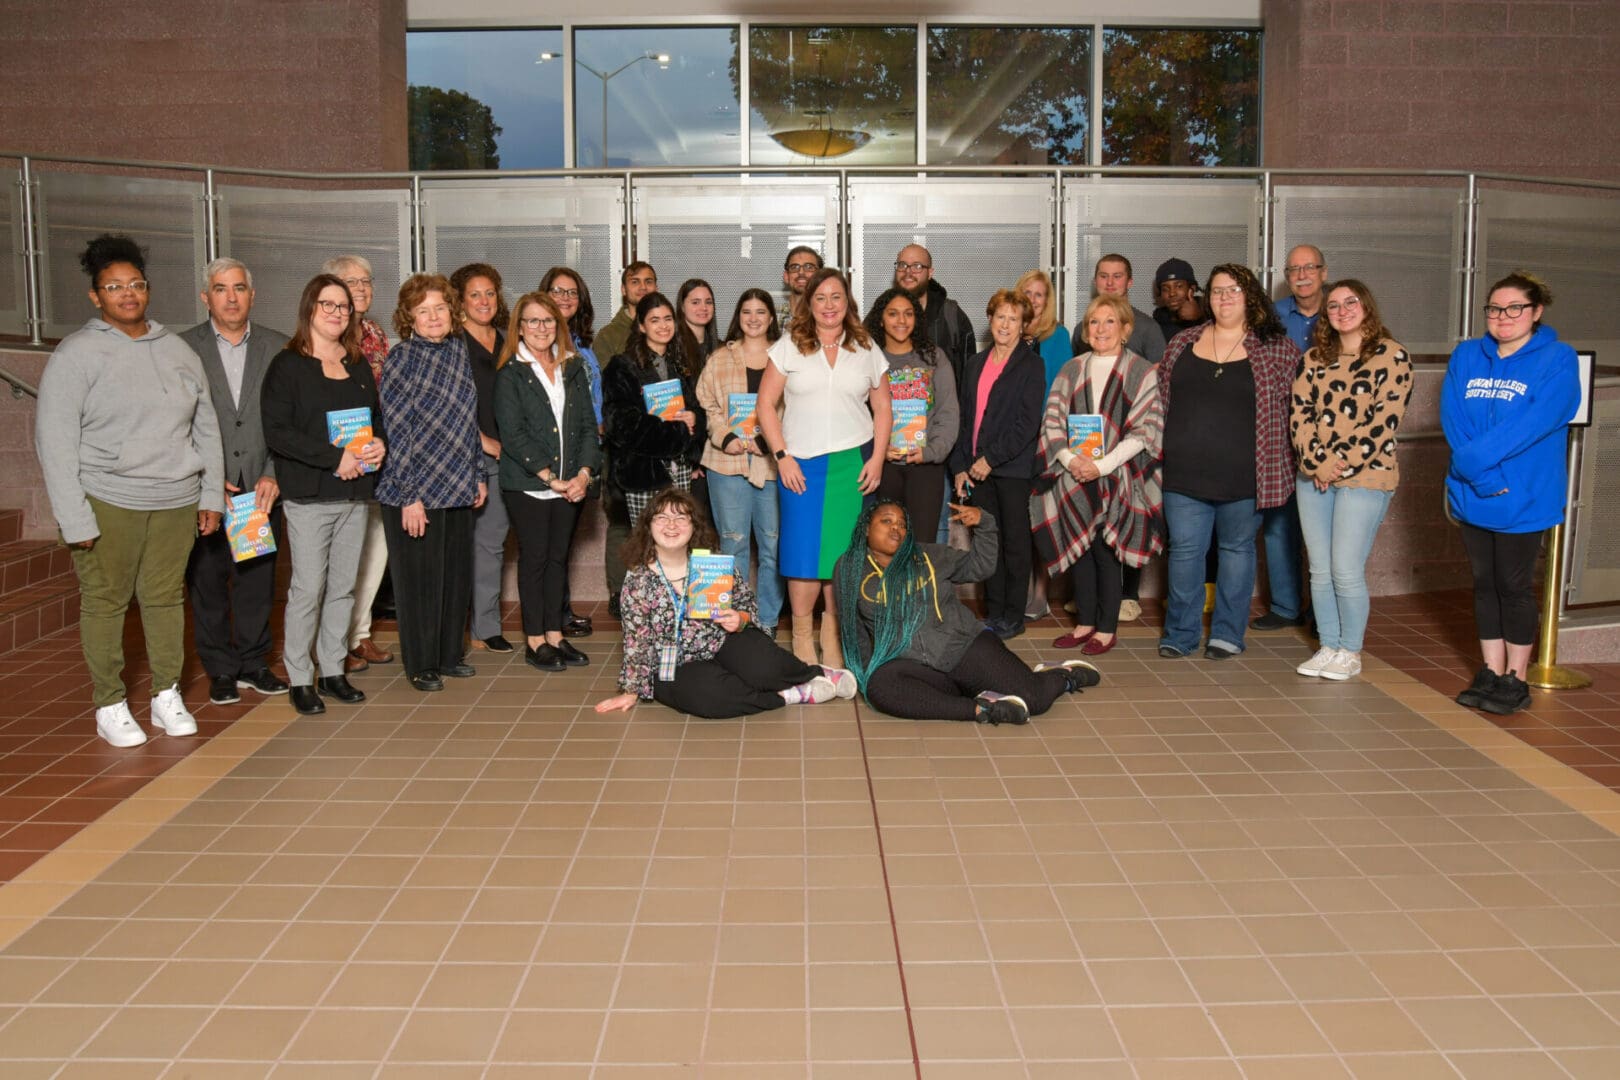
[(1505, 419)]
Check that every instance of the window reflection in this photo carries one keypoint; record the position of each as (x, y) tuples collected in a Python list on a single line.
[(1008, 95), (1181, 97), (478, 100), (682, 111), (832, 93)]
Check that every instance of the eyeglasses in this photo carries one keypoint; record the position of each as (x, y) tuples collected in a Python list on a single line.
[(564, 294), (357, 282), (335, 307), (543, 323), (1349, 303), (1505, 311), (805, 268), (1303, 268), (1220, 291), (914, 267), (113, 288), (667, 518)]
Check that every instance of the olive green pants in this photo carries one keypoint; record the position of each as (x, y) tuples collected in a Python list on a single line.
[(140, 555)]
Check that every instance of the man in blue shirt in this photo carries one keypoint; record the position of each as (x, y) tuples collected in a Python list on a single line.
[(1307, 279)]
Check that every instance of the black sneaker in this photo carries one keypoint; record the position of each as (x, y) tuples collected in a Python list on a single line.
[(264, 681), (222, 691), (1170, 652), (1273, 621), (997, 709), (1077, 674), (1510, 696), (497, 644), (1483, 686)]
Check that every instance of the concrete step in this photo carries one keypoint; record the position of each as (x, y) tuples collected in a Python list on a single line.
[(11, 525), (38, 610), (31, 562)]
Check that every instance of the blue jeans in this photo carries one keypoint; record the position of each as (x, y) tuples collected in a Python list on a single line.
[(1283, 539), (740, 508), (1191, 523), (1339, 525)]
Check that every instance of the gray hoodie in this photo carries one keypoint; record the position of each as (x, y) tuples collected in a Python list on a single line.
[(128, 420)]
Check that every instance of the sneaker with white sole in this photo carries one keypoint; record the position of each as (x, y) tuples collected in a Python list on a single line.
[(1077, 674), (996, 709), (818, 689), (117, 725), (170, 715), (1130, 610), (843, 680), (1313, 667), (1344, 665)]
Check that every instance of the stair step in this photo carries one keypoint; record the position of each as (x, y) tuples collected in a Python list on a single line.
[(11, 524), (39, 610), (30, 562)]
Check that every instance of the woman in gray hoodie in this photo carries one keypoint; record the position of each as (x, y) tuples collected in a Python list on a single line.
[(129, 445)]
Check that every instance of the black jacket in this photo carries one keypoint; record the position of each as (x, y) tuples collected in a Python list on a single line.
[(528, 427), (293, 403), (1011, 428), (638, 443)]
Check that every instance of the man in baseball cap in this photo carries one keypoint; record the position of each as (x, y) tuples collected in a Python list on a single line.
[(1175, 287)]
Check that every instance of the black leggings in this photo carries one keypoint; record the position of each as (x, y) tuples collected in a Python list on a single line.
[(919, 488), (742, 679), (1504, 566), (914, 691), (1097, 586), (1007, 588), (545, 528)]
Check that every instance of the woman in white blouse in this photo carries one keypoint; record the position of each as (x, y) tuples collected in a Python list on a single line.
[(832, 382)]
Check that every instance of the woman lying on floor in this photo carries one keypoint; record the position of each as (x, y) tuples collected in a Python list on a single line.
[(916, 650), (715, 668)]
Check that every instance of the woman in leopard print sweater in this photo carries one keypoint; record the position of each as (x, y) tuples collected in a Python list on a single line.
[(1348, 403)]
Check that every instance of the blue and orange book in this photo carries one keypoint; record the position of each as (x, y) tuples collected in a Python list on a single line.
[(910, 431), (248, 528), (664, 399), (351, 429), (710, 581), (1086, 435), (742, 415)]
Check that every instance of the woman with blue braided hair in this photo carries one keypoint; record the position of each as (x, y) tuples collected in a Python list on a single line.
[(915, 649)]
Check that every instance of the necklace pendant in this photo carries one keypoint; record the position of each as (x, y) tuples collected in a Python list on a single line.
[(1220, 369)]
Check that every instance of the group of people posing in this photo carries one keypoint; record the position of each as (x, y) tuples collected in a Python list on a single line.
[(828, 452)]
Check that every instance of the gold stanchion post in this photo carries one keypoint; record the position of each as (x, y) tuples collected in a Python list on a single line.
[(1545, 672)]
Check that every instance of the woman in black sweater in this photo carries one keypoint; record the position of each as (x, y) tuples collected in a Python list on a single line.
[(993, 462), (647, 453), (326, 482)]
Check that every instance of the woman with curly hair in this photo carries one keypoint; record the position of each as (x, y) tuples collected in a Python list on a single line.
[(915, 649), (1348, 404), (1219, 381), (715, 668), (918, 371)]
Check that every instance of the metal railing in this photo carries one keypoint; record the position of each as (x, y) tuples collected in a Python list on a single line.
[(19, 386)]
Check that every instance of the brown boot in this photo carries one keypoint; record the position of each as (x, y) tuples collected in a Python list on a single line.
[(804, 638), (832, 653)]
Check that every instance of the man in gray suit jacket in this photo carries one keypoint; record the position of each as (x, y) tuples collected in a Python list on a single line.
[(230, 601)]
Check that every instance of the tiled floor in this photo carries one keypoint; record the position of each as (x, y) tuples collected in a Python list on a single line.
[(1195, 870)]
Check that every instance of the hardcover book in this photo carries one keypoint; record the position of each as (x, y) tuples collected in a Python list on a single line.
[(910, 431), (710, 579), (664, 399), (1086, 435), (742, 415), (350, 429), (248, 528)]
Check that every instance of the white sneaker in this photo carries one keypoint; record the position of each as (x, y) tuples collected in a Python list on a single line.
[(169, 714), (1313, 667), (843, 681), (819, 689), (1344, 665), (117, 725), (1129, 610)]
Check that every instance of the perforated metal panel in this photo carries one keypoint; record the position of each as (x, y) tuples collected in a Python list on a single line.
[(1206, 222), (13, 278), (1569, 242), (733, 232), (284, 236), (166, 217), (981, 234), (1594, 575), (524, 228), (1406, 244)]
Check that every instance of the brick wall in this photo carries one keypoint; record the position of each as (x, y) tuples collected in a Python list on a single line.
[(1494, 85), (291, 84)]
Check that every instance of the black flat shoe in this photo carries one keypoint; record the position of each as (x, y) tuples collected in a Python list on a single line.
[(264, 681), (571, 655), (545, 658), (1218, 652), (462, 670), (497, 644), (1273, 621), (339, 687), (427, 680), (306, 700), (222, 691), (577, 626)]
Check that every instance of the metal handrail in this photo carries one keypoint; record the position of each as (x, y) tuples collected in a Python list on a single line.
[(19, 386)]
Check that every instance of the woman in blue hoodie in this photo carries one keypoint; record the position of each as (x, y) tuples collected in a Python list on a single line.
[(1507, 399)]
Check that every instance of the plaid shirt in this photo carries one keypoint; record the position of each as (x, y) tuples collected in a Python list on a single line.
[(430, 410), (1274, 363)]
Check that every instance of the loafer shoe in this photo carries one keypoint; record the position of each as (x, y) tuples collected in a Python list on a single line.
[(353, 663), (1218, 652), (545, 658), (371, 652), (462, 670), (494, 644), (339, 687), (116, 724), (571, 655), (1096, 647), (1170, 652), (1072, 640), (222, 691), (306, 700), (577, 626), (169, 713), (264, 681), (427, 681)]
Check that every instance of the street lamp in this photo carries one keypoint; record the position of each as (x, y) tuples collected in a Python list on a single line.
[(661, 59)]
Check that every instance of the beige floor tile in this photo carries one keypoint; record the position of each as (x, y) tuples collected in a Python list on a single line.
[(146, 1033), (246, 1034), (664, 986), (744, 986), (459, 1035), (345, 1034), (1175, 1032), (868, 1035), (567, 986), (1455, 1024), (642, 1037), (1359, 1027), (1141, 982), (555, 1036), (1419, 974), (756, 1036)]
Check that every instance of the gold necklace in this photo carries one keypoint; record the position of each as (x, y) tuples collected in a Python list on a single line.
[(1220, 364)]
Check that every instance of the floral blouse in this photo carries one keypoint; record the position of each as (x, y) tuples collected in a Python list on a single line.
[(373, 346), (647, 613)]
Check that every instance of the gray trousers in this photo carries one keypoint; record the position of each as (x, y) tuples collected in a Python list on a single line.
[(490, 527), (325, 539)]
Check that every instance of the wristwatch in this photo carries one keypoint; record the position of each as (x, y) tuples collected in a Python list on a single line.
[(780, 454)]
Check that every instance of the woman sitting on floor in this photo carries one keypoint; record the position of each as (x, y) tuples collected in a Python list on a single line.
[(925, 656), (716, 668)]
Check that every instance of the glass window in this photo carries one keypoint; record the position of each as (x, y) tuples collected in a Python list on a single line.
[(479, 99), (656, 95), (844, 94), (1008, 95), (1181, 97)]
